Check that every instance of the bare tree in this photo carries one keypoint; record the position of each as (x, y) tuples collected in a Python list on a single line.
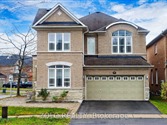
[(23, 45)]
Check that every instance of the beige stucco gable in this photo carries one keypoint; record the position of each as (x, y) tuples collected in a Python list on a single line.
[(59, 16)]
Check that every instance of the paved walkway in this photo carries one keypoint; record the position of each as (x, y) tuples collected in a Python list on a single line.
[(4, 96)]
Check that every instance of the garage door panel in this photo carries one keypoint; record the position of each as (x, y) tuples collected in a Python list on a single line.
[(115, 89)]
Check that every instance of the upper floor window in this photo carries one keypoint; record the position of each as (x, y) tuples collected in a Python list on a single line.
[(155, 49), (122, 42), (59, 76), (91, 45), (59, 41), (156, 76), (152, 77)]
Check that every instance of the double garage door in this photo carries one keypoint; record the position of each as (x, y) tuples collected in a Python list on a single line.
[(114, 88)]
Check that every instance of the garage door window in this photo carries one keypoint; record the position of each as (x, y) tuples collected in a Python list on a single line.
[(104, 78), (139, 78), (96, 78), (118, 78), (89, 78), (132, 78), (111, 78), (125, 78)]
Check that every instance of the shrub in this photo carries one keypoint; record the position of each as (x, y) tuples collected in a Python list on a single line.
[(164, 90), (64, 94), (54, 98), (43, 93)]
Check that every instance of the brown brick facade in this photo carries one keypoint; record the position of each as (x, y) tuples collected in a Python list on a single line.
[(158, 60)]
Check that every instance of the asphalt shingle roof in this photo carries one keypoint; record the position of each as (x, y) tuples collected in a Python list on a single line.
[(115, 60), (156, 39), (97, 21), (41, 12)]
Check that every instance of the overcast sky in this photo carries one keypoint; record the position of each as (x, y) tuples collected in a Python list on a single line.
[(149, 14)]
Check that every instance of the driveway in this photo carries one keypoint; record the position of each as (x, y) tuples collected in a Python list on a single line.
[(117, 107), (146, 121)]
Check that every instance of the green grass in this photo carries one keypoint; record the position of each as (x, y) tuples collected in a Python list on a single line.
[(160, 104), (34, 121), (7, 93), (16, 111), (21, 89)]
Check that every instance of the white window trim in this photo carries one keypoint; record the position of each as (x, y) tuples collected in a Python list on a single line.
[(49, 78), (112, 50), (94, 46), (59, 63), (55, 87), (55, 50)]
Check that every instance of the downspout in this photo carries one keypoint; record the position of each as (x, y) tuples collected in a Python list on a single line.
[(84, 77), (87, 30)]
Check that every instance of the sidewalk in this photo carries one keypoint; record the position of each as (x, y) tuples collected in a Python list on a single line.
[(95, 116), (5, 96)]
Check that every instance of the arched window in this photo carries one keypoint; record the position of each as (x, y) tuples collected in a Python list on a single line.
[(59, 76), (121, 42)]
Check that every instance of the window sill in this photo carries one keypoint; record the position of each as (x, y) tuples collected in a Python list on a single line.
[(60, 88), (121, 53), (60, 51)]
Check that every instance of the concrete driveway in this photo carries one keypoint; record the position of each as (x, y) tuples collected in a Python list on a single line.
[(117, 107)]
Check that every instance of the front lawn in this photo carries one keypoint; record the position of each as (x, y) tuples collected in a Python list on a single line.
[(34, 121), (21, 89), (160, 104), (15, 111)]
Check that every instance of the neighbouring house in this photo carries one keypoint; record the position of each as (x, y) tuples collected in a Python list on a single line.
[(2, 79), (96, 57), (8, 66), (157, 56)]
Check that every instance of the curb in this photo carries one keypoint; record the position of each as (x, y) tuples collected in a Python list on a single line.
[(96, 116)]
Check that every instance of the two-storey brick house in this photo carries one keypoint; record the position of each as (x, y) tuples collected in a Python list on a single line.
[(157, 56), (96, 57)]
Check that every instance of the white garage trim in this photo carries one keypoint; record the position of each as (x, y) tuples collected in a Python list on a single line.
[(115, 89)]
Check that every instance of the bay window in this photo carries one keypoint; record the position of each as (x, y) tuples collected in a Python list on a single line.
[(59, 41), (121, 42)]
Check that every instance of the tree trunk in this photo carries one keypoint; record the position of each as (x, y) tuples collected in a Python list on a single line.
[(18, 83)]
